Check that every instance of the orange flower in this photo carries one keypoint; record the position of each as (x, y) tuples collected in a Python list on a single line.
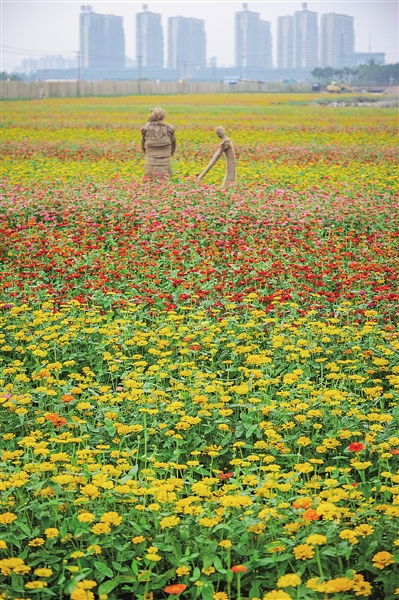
[(311, 515), (176, 588), (224, 476), (67, 398), (55, 419), (239, 569)]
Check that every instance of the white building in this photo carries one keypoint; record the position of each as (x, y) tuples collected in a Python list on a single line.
[(306, 38), (337, 39), (285, 42), (253, 41), (102, 41), (186, 45), (149, 39)]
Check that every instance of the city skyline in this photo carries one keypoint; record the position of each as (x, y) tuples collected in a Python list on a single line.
[(13, 29)]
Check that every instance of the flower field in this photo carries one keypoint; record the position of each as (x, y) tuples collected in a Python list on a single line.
[(199, 388)]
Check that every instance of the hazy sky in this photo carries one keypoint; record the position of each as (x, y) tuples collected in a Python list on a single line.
[(40, 27)]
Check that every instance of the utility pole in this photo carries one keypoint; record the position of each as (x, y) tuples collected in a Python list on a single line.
[(177, 65), (139, 58), (184, 70)]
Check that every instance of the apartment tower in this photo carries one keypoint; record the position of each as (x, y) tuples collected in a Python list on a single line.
[(337, 39), (253, 41), (149, 39), (186, 45), (102, 41), (285, 42), (306, 38)]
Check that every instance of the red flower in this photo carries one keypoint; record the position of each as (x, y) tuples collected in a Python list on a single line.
[(239, 569), (356, 447), (395, 451), (224, 476), (175, 588), (195, 347)]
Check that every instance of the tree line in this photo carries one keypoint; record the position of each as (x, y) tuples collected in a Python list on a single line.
[(368, 74)]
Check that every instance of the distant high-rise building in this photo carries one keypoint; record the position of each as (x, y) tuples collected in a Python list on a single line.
[(102, 40), (265, 43), (306, 38), (149, 39), (285, 42), (253, 41), (337, 39), (186, 44)]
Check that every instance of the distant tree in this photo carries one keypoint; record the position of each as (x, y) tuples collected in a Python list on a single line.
[(9, 76), (323, 75), (375, 74)]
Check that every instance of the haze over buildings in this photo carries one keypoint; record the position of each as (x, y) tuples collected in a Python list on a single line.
[(301, 46)]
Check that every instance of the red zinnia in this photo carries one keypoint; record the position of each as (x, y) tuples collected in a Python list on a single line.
[(176, 588), (395, 451), (239, 569), (224, 476), (356, 447)]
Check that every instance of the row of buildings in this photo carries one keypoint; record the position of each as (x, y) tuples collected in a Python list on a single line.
[(302, 45)]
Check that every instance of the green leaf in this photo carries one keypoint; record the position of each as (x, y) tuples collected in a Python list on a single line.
[(108, 586), (207, 560), (207, 592), (196, 574), (366, 490), (103, 569), (217, 563)]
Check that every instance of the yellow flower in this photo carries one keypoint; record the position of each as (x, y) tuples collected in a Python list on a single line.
[(340, 584), (86, 584), (304, 467), (277, 595), (79, 594), (113, 518), (361, 466), (86, 517), (225, 544), (138, 539), (361, 587), (94, 549), (100, 528), (304, 441), (316, 539), (77, 554), (382, 559), (169, 522), (313, 584), (37, 542), (43, 572), (36, 585), (208, 571), (348, 534), (180, 571), (13, 565), (51, 532), (7, 518), (153, 557), (3, 545), (220, 596), (303, 551), (288, 580), (364, 530)]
